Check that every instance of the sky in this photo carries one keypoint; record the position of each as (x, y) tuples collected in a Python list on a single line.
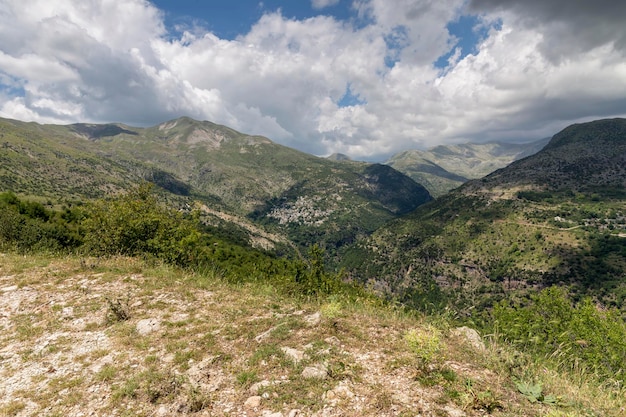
[(366, 78)]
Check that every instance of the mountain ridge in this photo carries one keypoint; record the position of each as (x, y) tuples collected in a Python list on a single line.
[(552, 218), (445, 167), (244, 175)]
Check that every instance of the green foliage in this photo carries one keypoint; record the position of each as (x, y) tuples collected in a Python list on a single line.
[(28, 225), (478, 399), (534, 393), (246, 378), (425, 342), (135, 224), (572, 334), (312, 278), (331, 310)]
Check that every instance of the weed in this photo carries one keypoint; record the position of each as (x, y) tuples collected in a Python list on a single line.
[(246, 378), (119, 310), (534, 393), (266, 353), (107, 373), (479, 399), (182, 358), (383, 400), (196, 401), (158, 385), (425, 343), (128, 390), (331, 310), (25, 327)]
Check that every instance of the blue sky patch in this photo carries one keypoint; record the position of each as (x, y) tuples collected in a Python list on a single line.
[(350, 99), (11, 86), (396, 41), (228, 19), (469, 31)]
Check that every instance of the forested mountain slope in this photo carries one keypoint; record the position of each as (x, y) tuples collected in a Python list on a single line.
[(556, 217)]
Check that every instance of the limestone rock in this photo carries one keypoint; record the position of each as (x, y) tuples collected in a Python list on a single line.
[(313, 319), (147, 326), (454, 412), (252, 402), (295, 355), (471, 336), (318, 371), (341, 392)]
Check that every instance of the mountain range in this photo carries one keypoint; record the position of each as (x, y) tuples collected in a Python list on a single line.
[(229, 174), (160, 271), (553, 217), (445, 167)]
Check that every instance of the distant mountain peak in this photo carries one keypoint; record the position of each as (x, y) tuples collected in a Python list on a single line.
[(338, 157), (445, 167)]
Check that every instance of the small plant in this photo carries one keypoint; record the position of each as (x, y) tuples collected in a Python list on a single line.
[(107, 373), (157, 385), (246, 378), (480, 399), (425, 343), (118, 310), (534, 393), (331, 310), (128, 390), (12, 409), (196, 401)]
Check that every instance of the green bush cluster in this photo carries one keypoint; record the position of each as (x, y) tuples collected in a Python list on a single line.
[(137, 224), (312, 278), (574, 335), (26, 225), (425, 342)]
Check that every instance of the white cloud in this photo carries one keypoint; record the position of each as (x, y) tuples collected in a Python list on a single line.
[(106, 60)]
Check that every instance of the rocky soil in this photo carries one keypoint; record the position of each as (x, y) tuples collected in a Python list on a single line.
[(87, 337)]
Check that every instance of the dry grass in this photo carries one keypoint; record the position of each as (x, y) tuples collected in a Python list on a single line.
[(214, 346)]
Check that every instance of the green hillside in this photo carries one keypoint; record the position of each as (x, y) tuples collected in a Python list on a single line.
[(302, 197), (107, 299), (557, 217)]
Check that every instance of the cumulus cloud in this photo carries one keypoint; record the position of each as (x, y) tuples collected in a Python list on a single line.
[(570, 27), (105, 60)]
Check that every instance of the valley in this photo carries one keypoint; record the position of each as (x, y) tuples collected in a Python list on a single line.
[(532, 254)]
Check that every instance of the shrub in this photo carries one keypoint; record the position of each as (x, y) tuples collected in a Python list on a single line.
[(135, 224), (425, 343), (576, 334), (312, 279), (28, 225)]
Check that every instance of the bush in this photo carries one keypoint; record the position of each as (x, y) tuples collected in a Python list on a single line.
[(28, 226), (312, 279), (135, 224), (425, 343), (575, 334)]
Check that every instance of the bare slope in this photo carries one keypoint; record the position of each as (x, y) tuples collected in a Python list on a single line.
[(119, 337)]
